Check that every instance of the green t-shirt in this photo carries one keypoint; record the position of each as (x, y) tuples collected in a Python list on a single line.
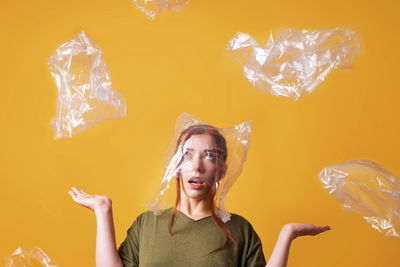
[(149, 244)]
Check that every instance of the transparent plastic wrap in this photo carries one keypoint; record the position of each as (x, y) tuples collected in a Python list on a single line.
[(32, 257), (85, 97), (366, 188), (295, 62), (154, 8), (230, 156)]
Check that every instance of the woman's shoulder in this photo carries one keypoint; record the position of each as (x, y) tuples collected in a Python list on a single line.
[(243, 232), (239, 223), (238, 219)]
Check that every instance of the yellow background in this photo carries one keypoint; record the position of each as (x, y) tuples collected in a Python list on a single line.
[(174, 64)]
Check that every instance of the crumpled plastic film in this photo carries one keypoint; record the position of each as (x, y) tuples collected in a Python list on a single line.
[(295, 62), (154, 8), (85, 97), (32, 257), (237, 143), (365, 187)]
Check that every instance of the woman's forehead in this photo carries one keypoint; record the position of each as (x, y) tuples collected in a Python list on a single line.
[(200, 142)]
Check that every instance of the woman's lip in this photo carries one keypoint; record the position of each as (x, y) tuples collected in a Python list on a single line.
[(196, 183), (196, 186)]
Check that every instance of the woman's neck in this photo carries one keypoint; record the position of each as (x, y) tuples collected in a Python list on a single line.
[(194, 208)]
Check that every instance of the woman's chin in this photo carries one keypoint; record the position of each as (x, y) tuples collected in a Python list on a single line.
[(197, 194)]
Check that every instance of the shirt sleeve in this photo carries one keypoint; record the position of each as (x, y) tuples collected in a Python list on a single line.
[(255, 256), (129, 248), (253, 251)]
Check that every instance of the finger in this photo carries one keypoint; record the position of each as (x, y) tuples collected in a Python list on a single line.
[(76, 191), (326, 227), (81, 193), (321, 229), (84, 193), (73, 195)]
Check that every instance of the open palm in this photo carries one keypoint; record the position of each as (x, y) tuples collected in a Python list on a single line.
[(302, 229), (92, 202)]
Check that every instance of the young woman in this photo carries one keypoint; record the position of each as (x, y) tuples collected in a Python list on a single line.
[(191, 233)]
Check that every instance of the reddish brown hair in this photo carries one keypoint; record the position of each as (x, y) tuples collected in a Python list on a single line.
[(222, 154)]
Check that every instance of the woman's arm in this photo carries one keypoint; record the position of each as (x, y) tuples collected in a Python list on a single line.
[(289, 232), (106, 249)]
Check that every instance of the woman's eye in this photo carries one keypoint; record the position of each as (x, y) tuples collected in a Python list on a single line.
[(210, 155), (186, 154)]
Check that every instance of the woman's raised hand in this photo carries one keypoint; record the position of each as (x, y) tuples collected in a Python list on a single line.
[(93, 202), (106, 250), (301, 229), (289, 232)]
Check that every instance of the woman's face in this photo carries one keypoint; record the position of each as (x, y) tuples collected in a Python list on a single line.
[(199, 166)]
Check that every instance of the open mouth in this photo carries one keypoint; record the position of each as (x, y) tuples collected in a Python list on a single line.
[(196, 181)]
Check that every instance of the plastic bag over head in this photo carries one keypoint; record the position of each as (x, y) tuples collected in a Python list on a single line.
[(154, 8), (85, 97), (295, 62), (200, 156), (365, 187), (32, 257)]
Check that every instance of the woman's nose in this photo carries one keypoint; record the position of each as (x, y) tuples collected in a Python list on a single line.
[(197, 164)]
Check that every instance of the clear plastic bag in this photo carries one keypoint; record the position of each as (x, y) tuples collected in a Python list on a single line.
[(85, 97), (32, 257), (295, 62), (237, 140), (366, 188), (154, 8)]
